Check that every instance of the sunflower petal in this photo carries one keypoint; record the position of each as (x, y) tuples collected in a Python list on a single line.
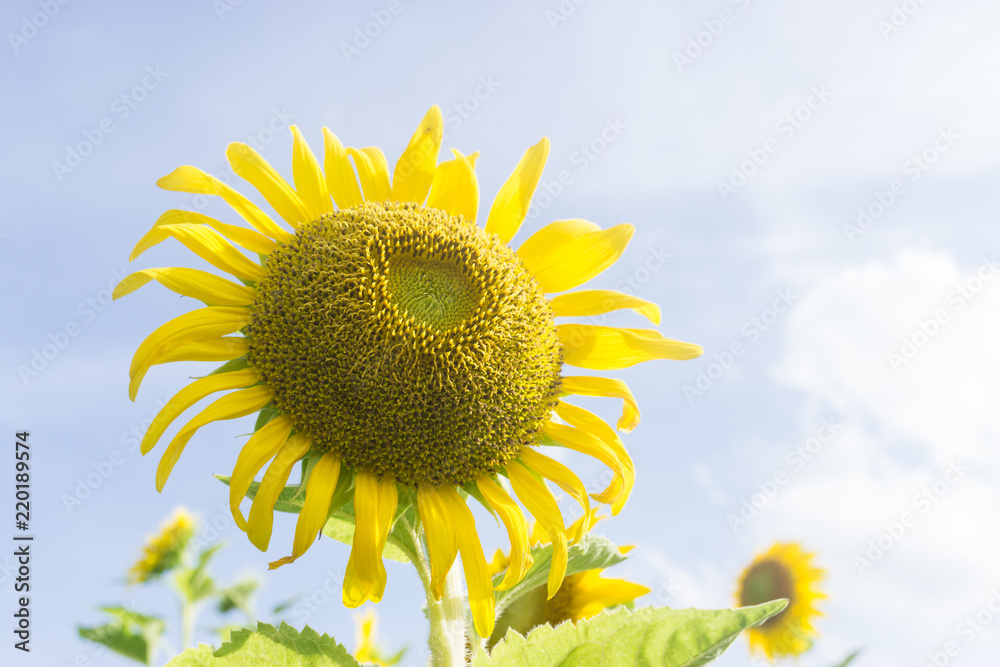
[(564, 254), (477, 574), (373, 171), (310, 183), (215, 349), (190, 395), (260, 448), (539, 501), (250, 239), (600, 301), (411, 179), (455, 189), (591, 423), (250, 165), (196, 326), (237, 404), (340, 178), (374, 508), (609, 348), (512, 202), (194, 180), (442, 543), (565, 479), (261, 519), (607, 387), (517, 530), (205, 242), (208, 287), (587, 443)]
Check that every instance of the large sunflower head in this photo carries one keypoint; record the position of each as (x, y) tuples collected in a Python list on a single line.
[(398, 346), (164, 550), (581, 596), (783, 571)]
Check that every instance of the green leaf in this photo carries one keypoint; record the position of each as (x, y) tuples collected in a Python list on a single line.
[(268, 646), (648, 636), (131, 634), (849, 659), (592, 551), (195, 583), (238, 596)]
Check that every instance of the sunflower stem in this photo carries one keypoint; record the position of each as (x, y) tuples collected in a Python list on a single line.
[(447, 639)]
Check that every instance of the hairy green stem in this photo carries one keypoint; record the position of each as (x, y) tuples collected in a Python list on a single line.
[(447, 639)]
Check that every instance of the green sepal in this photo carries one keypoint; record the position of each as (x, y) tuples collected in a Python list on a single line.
[(131, 634), (237, 364), (648, 636), (268, 645), (266, 414)]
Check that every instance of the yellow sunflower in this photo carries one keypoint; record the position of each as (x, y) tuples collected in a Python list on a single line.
[(164, 550), (394, 341), (367, 648), (783, 571), (582, 595)]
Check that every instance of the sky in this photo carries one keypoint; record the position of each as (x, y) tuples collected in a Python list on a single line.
[(813, 187)]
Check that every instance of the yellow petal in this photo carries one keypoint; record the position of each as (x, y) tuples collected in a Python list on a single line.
[(517, 531), (198, 325), (455, 189), (477, 574), (442, 544), (340, 178), (252, 240), (260, 448), (539, 501), (250, 165), (591, 445), (205, 242), (600, 301), (607, 348), (195, 181), (231, 406), (565, 253), (607, 387), (374, 508), (215, 349), (593, 593), (208, 287), (564, 478), (591, 423), (373, 171), (411, 179), (190, 395), (261, 519), (310, 183), (512, 202)]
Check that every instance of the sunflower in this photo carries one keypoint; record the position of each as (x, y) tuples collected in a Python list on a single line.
[(367, 648), (164, 550), (399, 346), (582, 595), (783, 571)]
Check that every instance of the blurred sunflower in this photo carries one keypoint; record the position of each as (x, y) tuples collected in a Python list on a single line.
[(582, 595), (783, 571), (164, 550), (367, 647), (396, 342)]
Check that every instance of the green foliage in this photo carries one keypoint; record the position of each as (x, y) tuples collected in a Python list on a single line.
[(238, 596), (268, 646), (131, 634), (195, 583), (647, 636), (592, 551)]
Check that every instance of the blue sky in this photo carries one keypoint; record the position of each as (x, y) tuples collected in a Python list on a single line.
[(815, 182)]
